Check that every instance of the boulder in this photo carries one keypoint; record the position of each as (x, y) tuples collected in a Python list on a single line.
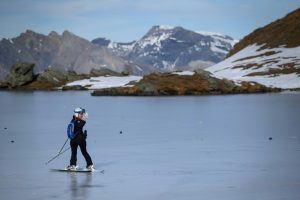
[(55, 77), (59, 77), (21, 74), (104, 72), (3, 85), (22, 77)]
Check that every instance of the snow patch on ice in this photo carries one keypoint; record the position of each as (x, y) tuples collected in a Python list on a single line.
[(105, 82)]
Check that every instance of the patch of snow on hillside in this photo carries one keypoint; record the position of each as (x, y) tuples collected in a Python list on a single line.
[(154, 40), (252, 56), (128, 47), (166, 27), (215, 46), (220, 37), (210, 33), (286, 81), (112, 45), (121, 49), (166, 65), (105, 82), (184, 73)]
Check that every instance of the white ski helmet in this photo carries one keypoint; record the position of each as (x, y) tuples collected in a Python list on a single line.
[(79, 110)]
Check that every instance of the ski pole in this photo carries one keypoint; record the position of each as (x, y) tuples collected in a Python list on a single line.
[(57, 155), (58, 152), (63, 145)]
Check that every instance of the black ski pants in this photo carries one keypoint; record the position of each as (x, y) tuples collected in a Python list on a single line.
[(81, 142)]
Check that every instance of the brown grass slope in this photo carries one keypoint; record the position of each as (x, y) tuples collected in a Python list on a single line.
[(284, 31)]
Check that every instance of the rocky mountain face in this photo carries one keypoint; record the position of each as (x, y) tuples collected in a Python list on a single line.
[(270, 55), (65, 52), (161, 49), (173, 48)]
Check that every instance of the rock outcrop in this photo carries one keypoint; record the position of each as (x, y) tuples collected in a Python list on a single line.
[(173, 84), (106, 72), (52, 79), (21, 74), (22, 77), (59, 77)]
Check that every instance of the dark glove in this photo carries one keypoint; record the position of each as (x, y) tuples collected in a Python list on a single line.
[(85, 134)]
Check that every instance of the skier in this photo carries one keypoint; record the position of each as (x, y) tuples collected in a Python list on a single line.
[(79, 139)]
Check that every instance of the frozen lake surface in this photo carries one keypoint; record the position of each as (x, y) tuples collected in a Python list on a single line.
[(177, 148)]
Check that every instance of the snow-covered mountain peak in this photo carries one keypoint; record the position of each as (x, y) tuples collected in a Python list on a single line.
[(165, 27), (154, 38), (160, 28), (171, 48), (121, 49)]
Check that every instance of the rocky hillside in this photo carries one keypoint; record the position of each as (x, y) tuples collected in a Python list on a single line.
[(173, 48), (22, 77), (282, 32), (63, 52), (270, 55)]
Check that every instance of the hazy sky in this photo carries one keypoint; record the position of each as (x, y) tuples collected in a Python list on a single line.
[(127, 20)]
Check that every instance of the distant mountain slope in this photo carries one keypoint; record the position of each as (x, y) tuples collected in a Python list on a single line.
[(66, 51), (269, 55), (161, 49), (172, 48)]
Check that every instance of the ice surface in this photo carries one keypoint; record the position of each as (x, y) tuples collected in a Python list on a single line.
[(191, 148)]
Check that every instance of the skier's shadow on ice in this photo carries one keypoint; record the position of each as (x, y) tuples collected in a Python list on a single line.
[(80, 185)]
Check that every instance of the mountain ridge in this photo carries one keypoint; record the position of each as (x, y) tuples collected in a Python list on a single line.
[(173, 48), (70, 52), (66, 51)]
